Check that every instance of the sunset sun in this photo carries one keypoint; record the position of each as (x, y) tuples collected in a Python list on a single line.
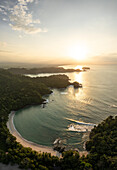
[(78, 52)]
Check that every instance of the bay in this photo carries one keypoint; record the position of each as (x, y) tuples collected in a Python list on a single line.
[(71, 113)]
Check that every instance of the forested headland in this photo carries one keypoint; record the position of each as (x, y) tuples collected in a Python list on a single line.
[(18, 91), (41, 70)]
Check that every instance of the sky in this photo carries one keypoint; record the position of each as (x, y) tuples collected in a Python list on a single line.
[(58, 31)]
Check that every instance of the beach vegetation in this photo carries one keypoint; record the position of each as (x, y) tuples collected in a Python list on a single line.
[(103, 145)]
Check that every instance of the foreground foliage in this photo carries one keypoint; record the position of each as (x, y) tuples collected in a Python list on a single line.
[(103, 145), (17, 91)]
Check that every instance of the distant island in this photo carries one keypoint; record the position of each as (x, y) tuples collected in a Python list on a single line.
[(42, 70), (18, 91), (86, 68)]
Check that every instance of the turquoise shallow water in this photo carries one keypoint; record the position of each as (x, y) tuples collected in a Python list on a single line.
[(70, 112)]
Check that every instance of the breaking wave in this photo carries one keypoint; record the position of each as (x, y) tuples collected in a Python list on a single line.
[(114, 106), (78, 126), (81, 123), (64, 93)]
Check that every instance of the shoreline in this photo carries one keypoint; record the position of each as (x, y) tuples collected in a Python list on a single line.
[(32, 145), (26, 143)]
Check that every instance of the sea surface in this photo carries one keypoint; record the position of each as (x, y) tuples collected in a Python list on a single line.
[(70, 113)]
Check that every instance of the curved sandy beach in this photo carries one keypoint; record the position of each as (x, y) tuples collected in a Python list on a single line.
[(26, 143), (34, 146)]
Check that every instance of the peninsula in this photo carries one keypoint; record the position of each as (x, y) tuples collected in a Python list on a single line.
[(41, 70)]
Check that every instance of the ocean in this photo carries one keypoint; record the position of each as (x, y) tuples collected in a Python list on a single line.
[(70, 114)]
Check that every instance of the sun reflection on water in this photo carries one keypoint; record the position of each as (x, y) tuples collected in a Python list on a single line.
[(79, 94), (78, 67), (78, 77)]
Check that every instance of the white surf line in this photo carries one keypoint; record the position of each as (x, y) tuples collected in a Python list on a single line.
[(81, 123)]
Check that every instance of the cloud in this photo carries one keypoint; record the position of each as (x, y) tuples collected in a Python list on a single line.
[(25, 1), (113, 54), (36, 1), (26, 28), (30, 1), (110, 58), (3, 44), (1, 10), (20, 36), (4, 19), (5, 51), (21, 19)]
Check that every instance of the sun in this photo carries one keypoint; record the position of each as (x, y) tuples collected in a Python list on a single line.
[(78, 52)]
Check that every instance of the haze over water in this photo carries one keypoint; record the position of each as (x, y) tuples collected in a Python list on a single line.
[(67, 108)]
